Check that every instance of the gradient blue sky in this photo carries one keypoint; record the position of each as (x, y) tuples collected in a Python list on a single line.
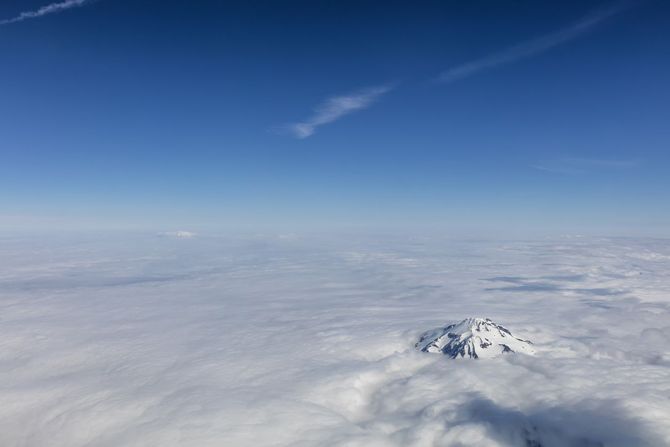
[(479, 117)]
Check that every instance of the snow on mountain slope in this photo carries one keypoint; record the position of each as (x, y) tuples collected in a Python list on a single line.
[(473, 338)]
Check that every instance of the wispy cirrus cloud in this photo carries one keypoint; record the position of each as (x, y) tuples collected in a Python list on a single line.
[(532, 47), (46, 10), (576, 165), (336, 107)]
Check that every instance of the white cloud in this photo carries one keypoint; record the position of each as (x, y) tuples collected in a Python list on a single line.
[(532, 47), (181, 234), (337, 107), (231, 341), (46, 10)]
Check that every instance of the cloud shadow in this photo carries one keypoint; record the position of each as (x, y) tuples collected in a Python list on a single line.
[(586, 424)]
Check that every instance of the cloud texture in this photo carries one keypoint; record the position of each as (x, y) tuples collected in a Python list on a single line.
[(46, 10), (337, 107), (138, 340)]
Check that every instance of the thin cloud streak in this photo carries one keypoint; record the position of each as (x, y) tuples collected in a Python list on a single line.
[(533, 47), (46, 10), (575, 166), (337, 107)]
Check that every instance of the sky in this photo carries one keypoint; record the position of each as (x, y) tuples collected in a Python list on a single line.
[(479, 117)]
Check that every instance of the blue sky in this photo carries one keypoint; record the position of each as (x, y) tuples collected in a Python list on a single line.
[(479, 117)]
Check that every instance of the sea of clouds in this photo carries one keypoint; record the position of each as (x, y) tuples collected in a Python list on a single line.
[(146, 340)]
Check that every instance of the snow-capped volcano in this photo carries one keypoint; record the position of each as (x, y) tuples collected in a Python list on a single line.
[(474, 338)]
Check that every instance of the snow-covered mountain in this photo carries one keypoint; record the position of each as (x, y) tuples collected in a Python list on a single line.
[(474, 338)]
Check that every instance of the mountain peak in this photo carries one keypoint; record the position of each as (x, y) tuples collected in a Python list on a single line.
[(473, 338)]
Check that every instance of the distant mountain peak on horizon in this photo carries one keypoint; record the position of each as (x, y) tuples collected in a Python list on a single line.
[(473, 338)]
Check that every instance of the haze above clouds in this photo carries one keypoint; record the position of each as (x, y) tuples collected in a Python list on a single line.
[(144, 340)]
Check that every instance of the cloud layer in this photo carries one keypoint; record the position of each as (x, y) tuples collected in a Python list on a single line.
[(271, 341), (532, 47), (46, 10), (337, 107)]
